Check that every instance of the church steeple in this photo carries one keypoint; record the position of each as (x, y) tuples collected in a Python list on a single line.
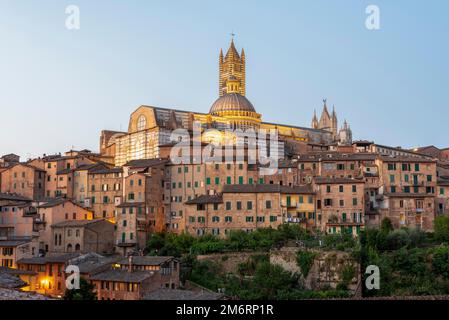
[(232, 64)]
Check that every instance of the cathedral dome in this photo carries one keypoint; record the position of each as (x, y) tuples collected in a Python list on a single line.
[(231, 102)]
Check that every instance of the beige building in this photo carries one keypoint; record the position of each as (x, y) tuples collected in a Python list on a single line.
[(82, 236), (340, 205), (56, 211), (23, 179)]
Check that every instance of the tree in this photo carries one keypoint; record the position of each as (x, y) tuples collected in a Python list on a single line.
[(386, 226), (442, 228), (85, 292)]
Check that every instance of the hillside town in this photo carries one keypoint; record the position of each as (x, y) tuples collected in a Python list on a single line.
[(99, 210)]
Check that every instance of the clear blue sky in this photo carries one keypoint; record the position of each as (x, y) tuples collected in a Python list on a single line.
[(61, 88)]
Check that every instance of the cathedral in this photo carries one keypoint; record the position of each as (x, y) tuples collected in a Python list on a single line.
[(150, 127)]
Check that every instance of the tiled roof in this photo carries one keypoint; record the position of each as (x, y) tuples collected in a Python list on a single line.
[(203, 199), (147, 260), (106, 170), (76, 223), (329, 180), (53, 202), (62, 258), (265, 188), (408, 195), (120, 275), (131, 204), (406, 159), (15, 197), (64, 171), (12, 243), (146, 163)]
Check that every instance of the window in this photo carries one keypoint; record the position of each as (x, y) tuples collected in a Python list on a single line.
[(393, 189), (240, 166), (239, 205), (215, 219), (228, 166), (124, 223), (228, 219), (406, 178), (301, 199), (201, 219), (186, 169), (139, 182), (407, 189), (391, 178), (354, 201), (228, 205), (74, 216), (215, 206), (228, 180), (392, 166), (208, 181), (249, 205), (429, 178), (310, 199), (260, 219), (192, 219), (342, 203), (406, 167), (240, 180), (141, 123), (273, 218), (179, 170), (250, 180), (131, 182), (343, 217), (249, 219), (340, 188), (260, 180), (217, 166), (105, 199), (268, 204), (354, 188), (328, 189), (217, 180), (441, 191), (416, 166)]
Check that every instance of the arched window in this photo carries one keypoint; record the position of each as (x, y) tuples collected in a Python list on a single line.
[(141, 123), (77, 247), (69, 248)]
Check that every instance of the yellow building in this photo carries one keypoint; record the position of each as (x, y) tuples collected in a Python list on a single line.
[(150, 127)]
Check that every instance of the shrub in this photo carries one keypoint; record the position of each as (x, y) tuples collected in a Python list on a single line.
[(305, 259)]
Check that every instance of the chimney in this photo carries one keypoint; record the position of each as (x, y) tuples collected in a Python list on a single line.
[(130, 264)]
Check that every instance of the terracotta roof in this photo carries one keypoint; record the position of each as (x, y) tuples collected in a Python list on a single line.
[(147, 260), (76, 223), (120, 275), (106, 170), (12, 243), (265, 188), (15, 197), (329, 180), (146, 163), (405, 159), (408, 195), (131, 204), (203, 199)]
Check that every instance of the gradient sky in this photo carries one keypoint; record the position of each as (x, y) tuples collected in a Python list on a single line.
[(60, 88)]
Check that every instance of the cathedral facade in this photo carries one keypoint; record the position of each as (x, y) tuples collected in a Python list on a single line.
[(150, 127)]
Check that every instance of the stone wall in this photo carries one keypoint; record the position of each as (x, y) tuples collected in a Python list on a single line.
[(326, 270)]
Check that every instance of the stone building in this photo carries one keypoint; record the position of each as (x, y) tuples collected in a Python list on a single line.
[(23, 179), (56, 211), (340, 204), (82, 236), (135, 277)]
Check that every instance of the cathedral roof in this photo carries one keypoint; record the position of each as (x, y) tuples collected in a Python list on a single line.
[(232, 51), (232, 102)]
